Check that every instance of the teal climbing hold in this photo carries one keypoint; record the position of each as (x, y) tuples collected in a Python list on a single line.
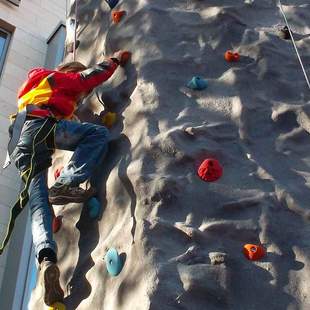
[(112, 3), (113, 262), (94, 207), (197, 83)]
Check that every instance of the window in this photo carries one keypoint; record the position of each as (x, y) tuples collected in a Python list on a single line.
[(56, 47), (4, 42)]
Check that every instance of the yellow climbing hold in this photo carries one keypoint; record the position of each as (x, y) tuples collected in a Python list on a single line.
[(109, 119), (57, 306)]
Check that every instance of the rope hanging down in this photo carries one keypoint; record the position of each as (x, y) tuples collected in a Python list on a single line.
[(75, 28), (289, 29)]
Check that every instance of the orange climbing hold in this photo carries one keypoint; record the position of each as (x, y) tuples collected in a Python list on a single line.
[(117, 16), (253, 251), (57, 221), (210, 170), (230, 56), (57, 172)]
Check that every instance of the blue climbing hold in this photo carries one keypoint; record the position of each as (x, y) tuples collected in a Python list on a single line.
[(112, 3), (197, 83), (113, 262), (94, 207)]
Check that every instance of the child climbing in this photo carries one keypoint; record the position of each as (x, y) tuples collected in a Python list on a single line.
[(46, 104)]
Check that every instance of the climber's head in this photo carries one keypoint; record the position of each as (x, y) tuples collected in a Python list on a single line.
[(73, 66)]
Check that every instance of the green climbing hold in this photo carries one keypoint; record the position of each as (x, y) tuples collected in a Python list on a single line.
[(113, 262), (94, 208), (197, 83)]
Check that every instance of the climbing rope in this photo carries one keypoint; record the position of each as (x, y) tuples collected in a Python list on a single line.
[(291, 34), (75, 28)]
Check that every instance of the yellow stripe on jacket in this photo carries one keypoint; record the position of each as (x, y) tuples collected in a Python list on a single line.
[(38, 96)]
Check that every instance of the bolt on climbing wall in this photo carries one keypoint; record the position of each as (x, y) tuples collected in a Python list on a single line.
[(203, 194)]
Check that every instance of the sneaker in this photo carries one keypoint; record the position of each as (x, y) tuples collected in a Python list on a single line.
[(49, 279), (65, 194)]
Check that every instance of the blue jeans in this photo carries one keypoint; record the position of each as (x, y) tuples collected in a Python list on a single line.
[(89, 143)]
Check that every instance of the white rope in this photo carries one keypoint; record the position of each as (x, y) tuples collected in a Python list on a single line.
[(291, 34), (75, 28)]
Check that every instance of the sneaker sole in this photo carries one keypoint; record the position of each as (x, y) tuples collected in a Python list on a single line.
[(53, 292), (62, 200)]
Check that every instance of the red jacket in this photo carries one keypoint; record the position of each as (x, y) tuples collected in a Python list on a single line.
[(57, 93)]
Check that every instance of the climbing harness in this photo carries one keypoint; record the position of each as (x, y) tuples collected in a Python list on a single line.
[(291, 34), (17, 127), (44, 134)]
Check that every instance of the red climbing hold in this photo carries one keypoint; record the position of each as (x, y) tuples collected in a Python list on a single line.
[(57, 221), (124, 58), (230, 56), (210, 170), (253, 251), (117, 16), (57, 172)]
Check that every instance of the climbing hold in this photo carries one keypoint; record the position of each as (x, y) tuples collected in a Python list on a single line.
[(124, 58), (57, 172), (112, 3), (57, 306), (109, 119), (57, 221), (117, 16), (197, 83), (94, 207), (113, 262), (210, 170), (230, 56), (284, 33), (253, 252)]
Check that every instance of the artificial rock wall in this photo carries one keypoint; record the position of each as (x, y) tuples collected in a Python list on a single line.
[(156, 211)]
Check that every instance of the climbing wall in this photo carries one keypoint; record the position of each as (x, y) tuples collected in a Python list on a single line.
[(231, 232)]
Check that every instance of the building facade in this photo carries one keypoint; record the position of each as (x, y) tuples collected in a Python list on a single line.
[(32, 34)]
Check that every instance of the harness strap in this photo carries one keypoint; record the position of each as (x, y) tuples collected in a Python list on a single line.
[(46, 132), (17, 130)]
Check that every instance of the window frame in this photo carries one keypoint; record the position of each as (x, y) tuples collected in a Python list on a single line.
[(15, 2), (5, 49)]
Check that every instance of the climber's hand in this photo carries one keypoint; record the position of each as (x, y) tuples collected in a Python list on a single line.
[(122, 57)]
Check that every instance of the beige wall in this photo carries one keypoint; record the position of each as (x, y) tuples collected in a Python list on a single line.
[(34, 21)]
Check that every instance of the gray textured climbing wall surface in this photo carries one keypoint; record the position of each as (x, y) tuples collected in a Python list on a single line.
[(181, 238)]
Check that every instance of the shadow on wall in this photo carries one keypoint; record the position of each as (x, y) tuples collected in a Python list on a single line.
[(115, 100)]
